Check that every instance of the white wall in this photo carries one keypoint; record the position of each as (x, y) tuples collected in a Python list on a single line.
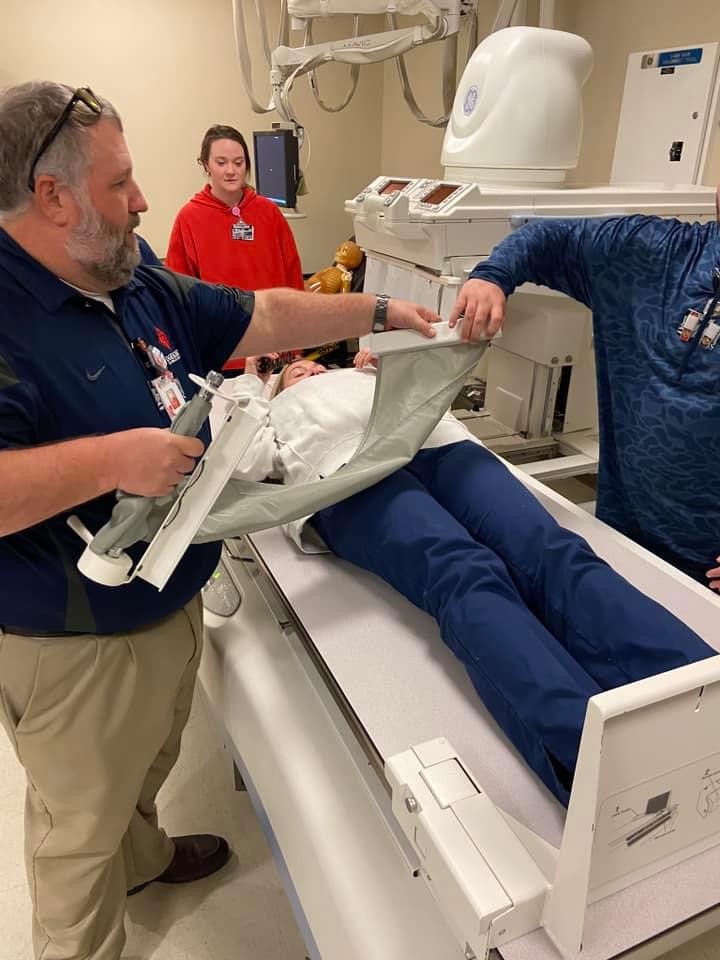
[(169, 66), (614, 28)]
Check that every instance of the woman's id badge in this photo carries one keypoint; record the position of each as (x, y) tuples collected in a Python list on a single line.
[(243, 231)]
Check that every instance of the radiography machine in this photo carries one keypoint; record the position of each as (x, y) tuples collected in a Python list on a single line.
[(513, 134), (423, 237), (404, 826)]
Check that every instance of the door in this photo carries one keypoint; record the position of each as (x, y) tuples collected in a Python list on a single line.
[(669, 99)]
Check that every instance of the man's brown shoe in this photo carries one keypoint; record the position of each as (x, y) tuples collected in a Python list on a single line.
[(196, 856)]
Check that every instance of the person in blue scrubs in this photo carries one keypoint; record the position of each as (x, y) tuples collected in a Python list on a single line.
[(540, 622), (96, 352), (653, 287)]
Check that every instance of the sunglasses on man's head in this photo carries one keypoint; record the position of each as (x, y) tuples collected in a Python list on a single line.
[(87, 98)]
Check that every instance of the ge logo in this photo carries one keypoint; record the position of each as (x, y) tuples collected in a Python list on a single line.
[(470, 101)]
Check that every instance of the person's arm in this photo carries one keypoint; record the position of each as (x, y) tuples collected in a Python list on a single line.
[(565, 255), (179, 253), (229, 322), (287, 319), (42, 481)]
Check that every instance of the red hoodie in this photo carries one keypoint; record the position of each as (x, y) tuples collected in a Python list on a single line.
[(202, 244)]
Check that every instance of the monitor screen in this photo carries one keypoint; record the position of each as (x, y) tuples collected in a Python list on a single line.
[(392, 186), (276, 166), (440, 193)]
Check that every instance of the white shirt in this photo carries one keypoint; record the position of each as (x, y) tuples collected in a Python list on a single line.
[(313, 428)]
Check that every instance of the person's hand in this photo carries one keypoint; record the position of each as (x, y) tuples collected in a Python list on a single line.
[(714, 577), (365, 358), (150, 461), (482, 306), (403, 315), (263, 371)]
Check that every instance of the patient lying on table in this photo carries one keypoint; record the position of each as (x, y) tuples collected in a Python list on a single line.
[(539, 621)]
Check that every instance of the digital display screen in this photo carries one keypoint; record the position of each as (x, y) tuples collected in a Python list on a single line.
[(440, 193), (276, 166), (393, 186)]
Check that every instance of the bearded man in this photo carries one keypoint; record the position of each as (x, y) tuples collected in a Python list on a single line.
[(96, 683)]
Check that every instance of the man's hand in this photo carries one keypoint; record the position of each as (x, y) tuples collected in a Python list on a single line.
[(150, 461), (41, 482), (482, 305), (364, 358), (714, 577), (289, 319), (402, 315)]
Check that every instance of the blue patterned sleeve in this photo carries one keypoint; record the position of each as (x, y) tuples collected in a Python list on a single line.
[(566, 255)]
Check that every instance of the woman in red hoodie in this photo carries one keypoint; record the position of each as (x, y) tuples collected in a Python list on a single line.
[(227, 233)]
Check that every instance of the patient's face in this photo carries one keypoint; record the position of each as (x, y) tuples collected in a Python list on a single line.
[(301, 370)]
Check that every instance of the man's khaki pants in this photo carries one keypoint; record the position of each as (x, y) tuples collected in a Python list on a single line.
[(96, 721)]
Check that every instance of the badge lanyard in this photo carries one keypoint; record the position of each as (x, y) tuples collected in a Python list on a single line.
[(165, 388), (240, 229)]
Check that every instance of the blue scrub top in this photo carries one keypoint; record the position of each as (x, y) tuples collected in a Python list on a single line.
[(67, 370), (658, 392)]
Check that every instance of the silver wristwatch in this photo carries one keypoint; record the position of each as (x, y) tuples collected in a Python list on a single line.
[(380, 315)]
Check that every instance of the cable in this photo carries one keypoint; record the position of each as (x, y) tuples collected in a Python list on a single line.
[(354, 72), (244, 58), (262, 20), (449, 70)]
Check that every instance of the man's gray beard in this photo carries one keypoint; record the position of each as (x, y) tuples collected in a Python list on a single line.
[(101, 248)]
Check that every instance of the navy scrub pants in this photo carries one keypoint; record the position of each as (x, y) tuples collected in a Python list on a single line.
[(539, 621)]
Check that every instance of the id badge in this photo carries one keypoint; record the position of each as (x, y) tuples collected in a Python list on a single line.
[(711, 335), (688, 328), (243, 231), (169, 394)]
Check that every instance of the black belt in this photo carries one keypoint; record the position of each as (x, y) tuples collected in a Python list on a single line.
[(28, 632), (22, 632)]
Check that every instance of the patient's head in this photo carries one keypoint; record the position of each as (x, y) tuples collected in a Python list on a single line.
[(297, 371)]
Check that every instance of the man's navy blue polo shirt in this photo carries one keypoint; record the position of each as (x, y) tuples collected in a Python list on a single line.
[(67, 370)]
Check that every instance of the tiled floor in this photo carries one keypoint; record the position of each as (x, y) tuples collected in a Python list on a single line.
[(240, 914)]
